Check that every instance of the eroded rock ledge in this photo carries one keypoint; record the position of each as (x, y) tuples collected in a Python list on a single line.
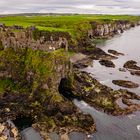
[(107, 63), (127, 84), (102, 97), (132, 67)]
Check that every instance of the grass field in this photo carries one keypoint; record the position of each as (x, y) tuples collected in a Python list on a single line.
[(64, 23)]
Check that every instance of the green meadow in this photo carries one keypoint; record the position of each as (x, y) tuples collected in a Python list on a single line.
[(74, 24)]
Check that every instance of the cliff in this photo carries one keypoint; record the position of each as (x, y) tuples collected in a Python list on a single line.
[(33, 64), (29, 81), (109, 29), (33, 38)]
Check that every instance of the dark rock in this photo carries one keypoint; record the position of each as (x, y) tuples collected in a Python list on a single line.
[(131, 65), (115, 52), (122, 69), (101, 96), (123, 83), (135, 73), (83, 63), (107, 63), (98, 54)]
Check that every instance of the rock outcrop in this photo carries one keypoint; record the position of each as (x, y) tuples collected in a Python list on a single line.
[(9, 131), (114, 52), (105, 30), (127, 84), (33, 38), (132, 67), (86, 87), (29, 87), (99, 54), (107, 63)]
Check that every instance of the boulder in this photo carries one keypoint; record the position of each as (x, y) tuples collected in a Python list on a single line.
[(131, 65), (99, 54), (114, 52), (135, 73), (64, 137), (122, 69), (126, 84), (107, 63)]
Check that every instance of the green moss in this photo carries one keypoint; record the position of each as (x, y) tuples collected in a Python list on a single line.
[(57, 98), (8, 84), (31, 68), (88, 89)]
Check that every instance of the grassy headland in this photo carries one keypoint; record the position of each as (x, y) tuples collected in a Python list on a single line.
[(31, 77), (75, 25)]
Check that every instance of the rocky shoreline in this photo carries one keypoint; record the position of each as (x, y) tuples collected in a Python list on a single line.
[(102, 97), (9, 131), (31, 77)]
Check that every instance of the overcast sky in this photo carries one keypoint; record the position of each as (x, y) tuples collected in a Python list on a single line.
[(70, 6)]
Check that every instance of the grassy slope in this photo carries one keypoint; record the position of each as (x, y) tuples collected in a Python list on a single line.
[(71, 24), (22, 61)]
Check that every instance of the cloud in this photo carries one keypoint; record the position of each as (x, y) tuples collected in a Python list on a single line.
[(70, 6)]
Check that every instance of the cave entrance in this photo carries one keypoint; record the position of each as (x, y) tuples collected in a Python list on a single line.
[(23, 122), (65, 89)]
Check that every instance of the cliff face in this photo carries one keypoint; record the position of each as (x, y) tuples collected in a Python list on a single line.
[(19, 37), (106, 30), (29, 81), (33, 38)]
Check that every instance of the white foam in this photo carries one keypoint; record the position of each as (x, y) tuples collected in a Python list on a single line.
[(105, 81), (138, 127), (131, 116)]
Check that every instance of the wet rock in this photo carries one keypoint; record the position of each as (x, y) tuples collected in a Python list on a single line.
[(99, 54), (122, 69), (135, 73), (80, 61), (8, 130), (77, 57), (121, 104), (15, 132), (123, 83), (114, 52), (83, 63), (107, 63), (64, 137), (102, 97), (131, 65), (1, 128), (2, 137)]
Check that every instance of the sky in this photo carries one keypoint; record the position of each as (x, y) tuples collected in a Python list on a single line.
[(70, 6)]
